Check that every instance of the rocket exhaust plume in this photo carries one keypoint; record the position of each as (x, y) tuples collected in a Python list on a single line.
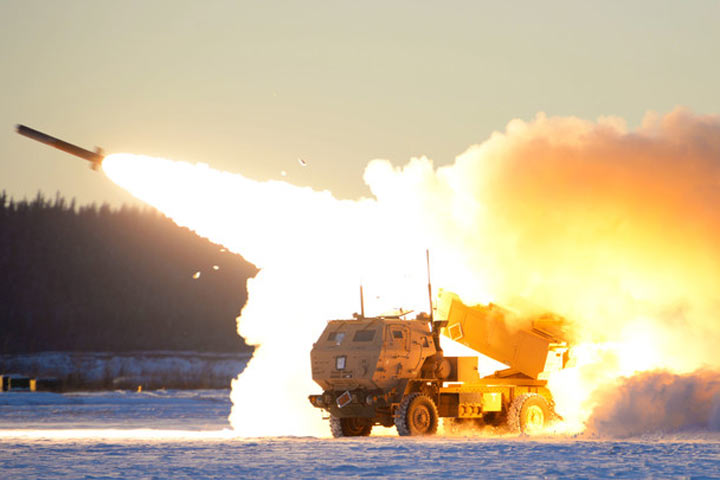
[(612, 228)]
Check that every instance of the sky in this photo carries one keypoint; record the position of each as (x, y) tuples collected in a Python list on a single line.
[(251, 87)]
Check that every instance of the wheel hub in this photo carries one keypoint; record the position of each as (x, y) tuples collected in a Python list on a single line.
[(421, 419), (535, 419)]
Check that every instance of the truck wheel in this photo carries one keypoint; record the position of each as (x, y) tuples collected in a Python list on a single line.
[(529, 414), (350, 427), (416, 415)]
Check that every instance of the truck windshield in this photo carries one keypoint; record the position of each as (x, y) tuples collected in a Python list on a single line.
[(336, 337), (364, 336)]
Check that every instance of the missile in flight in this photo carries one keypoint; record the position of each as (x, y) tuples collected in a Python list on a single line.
[(95, 158)]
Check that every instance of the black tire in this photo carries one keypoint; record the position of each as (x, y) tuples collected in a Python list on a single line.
[(529, 414), (350, 427), (416, 415)]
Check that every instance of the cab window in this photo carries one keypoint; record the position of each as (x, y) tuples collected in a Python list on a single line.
[(336, 337), (364, 336), (396, 337)]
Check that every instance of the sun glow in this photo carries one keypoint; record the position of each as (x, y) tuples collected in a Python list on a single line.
[(614, 230)]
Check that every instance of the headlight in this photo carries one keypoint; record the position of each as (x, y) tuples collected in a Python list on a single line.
[(340, 362)]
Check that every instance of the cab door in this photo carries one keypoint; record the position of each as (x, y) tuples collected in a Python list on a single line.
[(397, 348)]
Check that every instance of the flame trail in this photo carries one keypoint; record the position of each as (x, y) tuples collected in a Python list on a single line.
[(611, 228), (313, 251)]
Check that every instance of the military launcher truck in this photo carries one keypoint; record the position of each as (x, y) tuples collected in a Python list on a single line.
[(390, 371)]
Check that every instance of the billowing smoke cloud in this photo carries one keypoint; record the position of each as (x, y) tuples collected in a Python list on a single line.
[(587, 219), (659, 403), (614, 229)]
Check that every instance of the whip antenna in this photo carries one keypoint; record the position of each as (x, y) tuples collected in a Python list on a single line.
[(427, 258), (362, 302)]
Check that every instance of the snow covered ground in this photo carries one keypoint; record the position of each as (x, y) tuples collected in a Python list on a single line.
[(191, 410), (184, 434)]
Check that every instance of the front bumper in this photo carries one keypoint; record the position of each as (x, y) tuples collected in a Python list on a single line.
[(349, 403)]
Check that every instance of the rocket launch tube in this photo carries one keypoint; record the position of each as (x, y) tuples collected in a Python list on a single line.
[(95, 158)]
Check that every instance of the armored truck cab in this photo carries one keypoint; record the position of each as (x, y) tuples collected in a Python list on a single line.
[(364, 365)]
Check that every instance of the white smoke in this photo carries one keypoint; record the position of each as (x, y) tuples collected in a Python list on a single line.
[(611, 228), (659, 402)]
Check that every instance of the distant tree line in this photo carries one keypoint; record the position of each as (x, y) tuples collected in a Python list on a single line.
[(102, 279)]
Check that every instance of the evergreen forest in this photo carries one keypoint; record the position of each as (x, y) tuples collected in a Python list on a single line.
[(101, 279)]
